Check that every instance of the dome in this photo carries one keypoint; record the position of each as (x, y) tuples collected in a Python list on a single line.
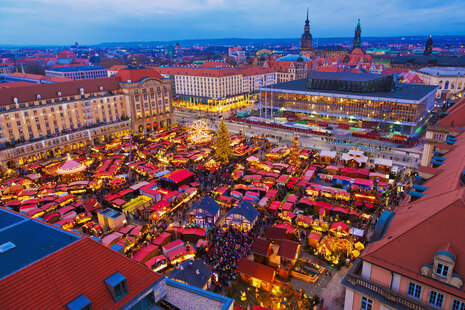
[(66, 54), (293, 58)]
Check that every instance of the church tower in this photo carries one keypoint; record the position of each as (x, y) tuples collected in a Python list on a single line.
[(428, 47), (306, 49), (357, 38)]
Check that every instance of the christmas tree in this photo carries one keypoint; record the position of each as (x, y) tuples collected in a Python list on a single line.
[(295, 159), (222, 144)]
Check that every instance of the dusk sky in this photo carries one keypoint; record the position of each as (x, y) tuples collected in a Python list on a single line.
[(95, 21)]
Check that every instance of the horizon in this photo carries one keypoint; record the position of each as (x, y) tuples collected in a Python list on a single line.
[(61, 23)]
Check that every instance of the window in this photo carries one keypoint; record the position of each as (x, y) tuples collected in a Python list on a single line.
[(436, 299), (366, 304), (458, 305), (442, 270), (414, 290)]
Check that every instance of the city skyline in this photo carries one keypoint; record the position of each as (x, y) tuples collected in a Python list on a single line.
[(90, 22)]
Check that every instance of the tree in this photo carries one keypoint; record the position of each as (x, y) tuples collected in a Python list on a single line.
[(222, 144)]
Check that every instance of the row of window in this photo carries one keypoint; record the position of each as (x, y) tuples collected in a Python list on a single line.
[(435, 299)]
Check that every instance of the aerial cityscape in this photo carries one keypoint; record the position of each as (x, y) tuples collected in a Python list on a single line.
[(207, 155)]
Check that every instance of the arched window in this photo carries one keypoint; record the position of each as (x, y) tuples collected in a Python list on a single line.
[(452, 86), (440, 84)]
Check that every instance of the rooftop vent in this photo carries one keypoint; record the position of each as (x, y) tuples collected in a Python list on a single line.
[(6, 247), (101, 88), (38, 97)]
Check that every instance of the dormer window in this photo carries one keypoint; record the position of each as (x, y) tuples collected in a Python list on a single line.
[(442, 270), (117, 286), (80, 303)]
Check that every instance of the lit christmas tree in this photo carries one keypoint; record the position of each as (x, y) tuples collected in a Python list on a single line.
[(295, 153), (222, 144)]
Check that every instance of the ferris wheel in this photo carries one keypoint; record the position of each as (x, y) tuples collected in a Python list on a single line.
[(198, 132)]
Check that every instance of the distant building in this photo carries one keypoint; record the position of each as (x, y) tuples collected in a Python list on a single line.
[(4, 69), (370, 101), (357, 37), (216, 87), (450, 80), (77, 72), (65, 57), (428, 47), (306, 49), (427, 59), (237, 53), (289, 68)]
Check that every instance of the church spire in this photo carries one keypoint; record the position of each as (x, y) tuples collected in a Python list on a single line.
[(357, 37)]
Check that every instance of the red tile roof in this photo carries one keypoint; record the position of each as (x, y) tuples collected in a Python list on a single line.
[(136, 75), (260, 246), (220, 72), (422, 227), (456, 117), (49, 91), (79, 268), (288, 249), (256, 270)]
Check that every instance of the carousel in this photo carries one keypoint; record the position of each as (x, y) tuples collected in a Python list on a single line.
[(71, 170)]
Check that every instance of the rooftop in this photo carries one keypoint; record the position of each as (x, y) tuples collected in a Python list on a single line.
[(184, 296), (443, 71), (33, 240), (51, 90), (55, 267), (77, 68), (443, 61), (412, 92)]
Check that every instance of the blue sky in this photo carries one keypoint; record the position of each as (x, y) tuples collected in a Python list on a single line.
[(95, 21)]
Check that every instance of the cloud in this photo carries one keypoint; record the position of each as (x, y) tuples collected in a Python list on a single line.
[(93, 21)]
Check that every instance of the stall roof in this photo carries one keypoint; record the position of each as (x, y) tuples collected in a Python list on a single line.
[(170, 246), (195, 273), (155, 260), (383, 162), (256, 270), (126, 229), (139, 185), (330, 154), (288, 249), (111, 237), (178, 175), (260, 246), (136, 230), (180, 251), (208, 204), (161, 238), (142, 253)]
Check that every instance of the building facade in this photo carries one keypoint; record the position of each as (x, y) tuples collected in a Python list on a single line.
[(450, 80), (149, 99), (77, 72), (416, 258), (46, 120), (367, 101), (216, 89), (288, 70)]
